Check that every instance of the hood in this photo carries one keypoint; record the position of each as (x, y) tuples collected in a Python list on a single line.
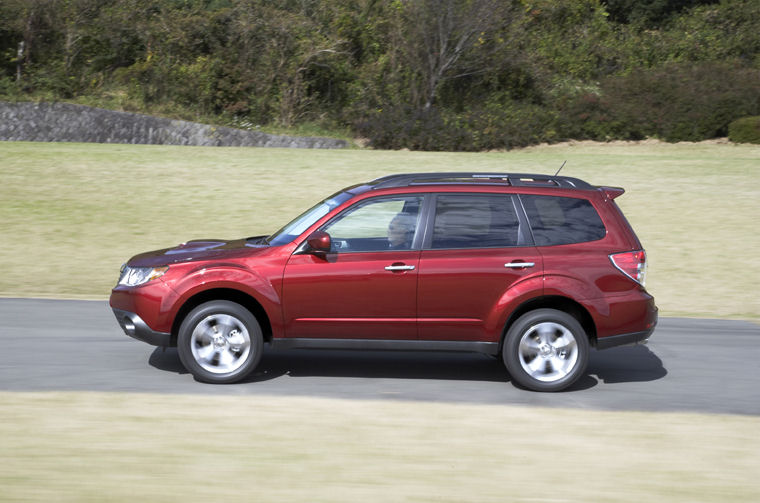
[(199, 249)]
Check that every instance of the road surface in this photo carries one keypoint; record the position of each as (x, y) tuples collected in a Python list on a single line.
[(689, 365)]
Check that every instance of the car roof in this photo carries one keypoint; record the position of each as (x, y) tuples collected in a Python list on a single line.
[(476, 178)]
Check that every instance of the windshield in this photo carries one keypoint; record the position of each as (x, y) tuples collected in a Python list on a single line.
[(306, 219)]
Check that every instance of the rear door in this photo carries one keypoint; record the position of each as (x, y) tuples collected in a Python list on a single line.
[(476, 249)]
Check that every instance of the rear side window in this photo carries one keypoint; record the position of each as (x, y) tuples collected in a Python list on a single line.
[(562, 220), (474, 221)]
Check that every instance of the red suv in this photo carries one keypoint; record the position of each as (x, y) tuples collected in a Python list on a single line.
[(534, 268)]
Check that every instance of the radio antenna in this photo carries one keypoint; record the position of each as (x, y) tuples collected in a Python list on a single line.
[(560, 168)]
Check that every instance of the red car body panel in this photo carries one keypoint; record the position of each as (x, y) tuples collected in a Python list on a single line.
[(154, 301), (351, 295), (451, 295), (466, 294)]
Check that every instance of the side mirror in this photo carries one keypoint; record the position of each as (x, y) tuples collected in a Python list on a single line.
[(318, 243)]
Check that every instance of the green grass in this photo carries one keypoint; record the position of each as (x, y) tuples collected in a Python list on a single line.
[(83, 447), (72, 213)]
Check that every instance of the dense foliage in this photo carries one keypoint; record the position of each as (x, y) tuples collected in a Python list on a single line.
[(418, 74), (745, 130)]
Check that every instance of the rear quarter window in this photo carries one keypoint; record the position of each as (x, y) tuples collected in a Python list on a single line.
[(562, 220)]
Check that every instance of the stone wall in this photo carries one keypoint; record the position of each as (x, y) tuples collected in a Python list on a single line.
[(78, 123)]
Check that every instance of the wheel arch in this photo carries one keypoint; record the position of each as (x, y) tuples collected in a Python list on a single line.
[(229, 294), (564, 304)]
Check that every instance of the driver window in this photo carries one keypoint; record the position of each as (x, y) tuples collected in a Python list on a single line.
[(385, 223)]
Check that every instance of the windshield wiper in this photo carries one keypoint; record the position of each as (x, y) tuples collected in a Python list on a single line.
[(258, 240)]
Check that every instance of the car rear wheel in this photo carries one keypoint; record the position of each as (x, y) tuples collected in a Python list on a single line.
[(546, 350), (220, 342)]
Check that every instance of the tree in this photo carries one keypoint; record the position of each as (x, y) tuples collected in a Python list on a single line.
[(434, 38), (29, 22)]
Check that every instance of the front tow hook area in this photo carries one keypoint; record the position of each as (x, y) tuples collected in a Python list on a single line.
[(135, 327)]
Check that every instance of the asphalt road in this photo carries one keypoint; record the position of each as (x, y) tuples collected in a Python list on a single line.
[(689, 365)]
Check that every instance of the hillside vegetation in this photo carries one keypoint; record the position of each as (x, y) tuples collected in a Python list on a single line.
[(421, 74)]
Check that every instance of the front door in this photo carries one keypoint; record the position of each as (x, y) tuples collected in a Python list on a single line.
[(366, 287)]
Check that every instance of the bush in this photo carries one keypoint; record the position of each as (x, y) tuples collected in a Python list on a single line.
[(405, 127), (488, 127), (679, 102), (590, 116), (745, 130), (508, 125), (9, 89)]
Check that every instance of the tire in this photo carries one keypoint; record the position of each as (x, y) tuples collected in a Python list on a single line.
[(546, 350), (220, 342)]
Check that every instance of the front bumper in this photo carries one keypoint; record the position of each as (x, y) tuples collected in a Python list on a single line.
[(134, 326)]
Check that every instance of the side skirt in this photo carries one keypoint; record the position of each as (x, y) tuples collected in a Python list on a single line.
[(489, 348)]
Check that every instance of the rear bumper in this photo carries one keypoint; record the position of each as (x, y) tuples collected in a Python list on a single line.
[(641, 337), (134, 326)]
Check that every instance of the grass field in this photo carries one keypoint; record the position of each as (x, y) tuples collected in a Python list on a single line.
[(72, 213), (122, 447)]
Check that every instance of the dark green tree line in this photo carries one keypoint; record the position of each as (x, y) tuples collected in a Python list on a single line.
[(424, 74)]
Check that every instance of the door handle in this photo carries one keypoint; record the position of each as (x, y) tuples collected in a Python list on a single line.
[(399, 268), (519, 265)]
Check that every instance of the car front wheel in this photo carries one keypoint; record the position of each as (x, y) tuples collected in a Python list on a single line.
[(220, 342), (546, 350)]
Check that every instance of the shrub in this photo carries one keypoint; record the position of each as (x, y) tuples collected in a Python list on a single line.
[(9, 89), (678, 102), (490, 126), (590, 116), (406, 127), (745, 130), (508, 125), (681, 102)]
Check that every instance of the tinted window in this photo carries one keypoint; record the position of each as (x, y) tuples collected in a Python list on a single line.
[(474, 221), (386, 223), (562, 220)]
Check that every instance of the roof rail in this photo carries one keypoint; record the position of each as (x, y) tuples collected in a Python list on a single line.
[(513, 179)]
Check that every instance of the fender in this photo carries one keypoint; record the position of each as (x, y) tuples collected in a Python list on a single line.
[(566, 285), (584, 292), (230, 276), (517, 294)]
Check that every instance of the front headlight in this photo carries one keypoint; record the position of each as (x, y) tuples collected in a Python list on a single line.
[(135, 276)]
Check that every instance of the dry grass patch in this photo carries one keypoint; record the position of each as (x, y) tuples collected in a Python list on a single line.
[(122, 447), (72, 213)]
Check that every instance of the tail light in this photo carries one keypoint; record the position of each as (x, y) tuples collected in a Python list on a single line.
[(632, 264)]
